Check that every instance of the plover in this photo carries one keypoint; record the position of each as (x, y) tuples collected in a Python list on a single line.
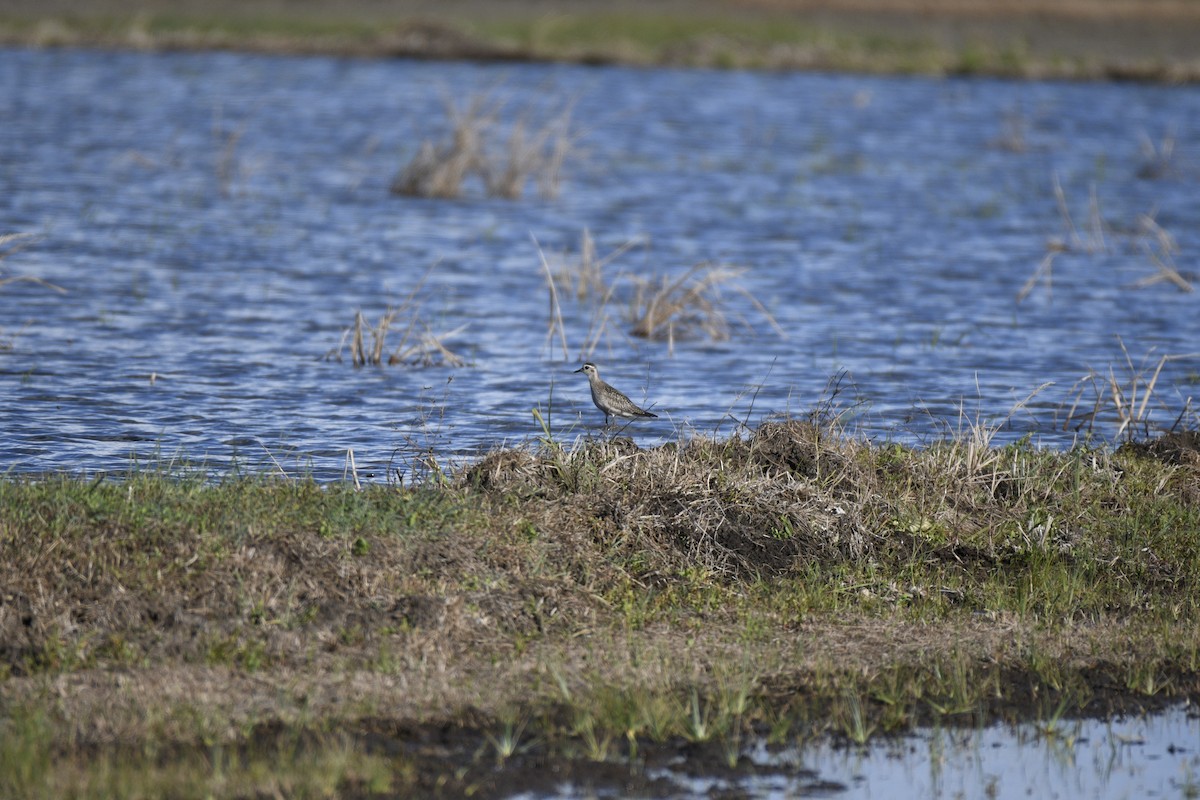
[(608, 399)]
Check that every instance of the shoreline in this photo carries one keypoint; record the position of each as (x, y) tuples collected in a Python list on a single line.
[(1088, 40), (796, 583)]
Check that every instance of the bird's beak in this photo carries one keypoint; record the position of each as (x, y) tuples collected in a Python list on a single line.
[(579, 370)]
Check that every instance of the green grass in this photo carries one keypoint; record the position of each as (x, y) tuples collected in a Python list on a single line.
[(582, 600), (723, 39)]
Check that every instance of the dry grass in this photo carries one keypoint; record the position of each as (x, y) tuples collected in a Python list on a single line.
[(1155, 243), (582, 278), (1158, 160), (1127, 400), (419, 345), (693, 304), (534, 150), (690, 304), (13, 243), (560, 597)]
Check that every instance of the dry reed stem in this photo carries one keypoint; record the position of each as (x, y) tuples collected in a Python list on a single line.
[(1159, 158), (227, 163), (1095, 241), (13, 243), (419, 345), (1044, 271), (1166, 272), (441, 169), (555, 316), (1129, 402), (689, 304), (1129, 411)]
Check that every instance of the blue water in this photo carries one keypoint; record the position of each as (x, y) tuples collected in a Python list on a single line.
[(216, 220)]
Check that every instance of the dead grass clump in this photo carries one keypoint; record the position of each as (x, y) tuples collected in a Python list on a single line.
[(689, 305), (721, 506), (419, 345), (1127, 399), (694, 304), (582, 277), (533, 151), (1158, 160), (1180, 448)]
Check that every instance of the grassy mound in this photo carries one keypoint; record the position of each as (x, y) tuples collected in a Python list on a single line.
[(586, 601)]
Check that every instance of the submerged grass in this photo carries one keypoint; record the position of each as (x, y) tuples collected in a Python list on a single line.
[(587, 600)]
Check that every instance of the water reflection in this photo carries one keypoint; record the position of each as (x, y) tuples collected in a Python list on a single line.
[(1157, 755)]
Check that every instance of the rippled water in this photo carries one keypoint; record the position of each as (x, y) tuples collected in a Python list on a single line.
[(217, 219)]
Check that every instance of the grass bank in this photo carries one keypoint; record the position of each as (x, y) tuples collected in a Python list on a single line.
[(1091, 39), (582, 604)]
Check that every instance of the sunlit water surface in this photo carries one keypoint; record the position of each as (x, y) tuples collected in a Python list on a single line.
[(216, 220)]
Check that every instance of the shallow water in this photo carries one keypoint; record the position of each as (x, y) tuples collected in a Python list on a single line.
[(882, 221), (1152, 756)]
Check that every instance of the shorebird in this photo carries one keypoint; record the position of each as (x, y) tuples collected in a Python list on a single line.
[(608, 399)]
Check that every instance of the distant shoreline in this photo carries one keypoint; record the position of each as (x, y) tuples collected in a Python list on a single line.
[(1153, 41)]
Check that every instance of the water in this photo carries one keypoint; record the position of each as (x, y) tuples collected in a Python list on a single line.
[(1153, 756), (217, 219)]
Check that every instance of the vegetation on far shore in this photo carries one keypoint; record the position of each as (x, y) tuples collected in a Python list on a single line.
[(714, 35), (165, 634)]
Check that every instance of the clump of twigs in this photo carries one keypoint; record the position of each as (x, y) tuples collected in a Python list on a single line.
[(1127, 399), (475, 147), (691, 304)]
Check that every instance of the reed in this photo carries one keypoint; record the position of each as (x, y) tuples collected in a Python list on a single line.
[(419, 344), (1158, 160), (13, 243), (1127, 398), (534, 150), (1145, 234), (688, 305), (582, 277)]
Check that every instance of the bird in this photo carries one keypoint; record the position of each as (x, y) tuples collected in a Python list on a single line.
[(608, 399)]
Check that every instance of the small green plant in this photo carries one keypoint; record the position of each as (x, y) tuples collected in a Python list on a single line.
[(852, 720), (510, 741)]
